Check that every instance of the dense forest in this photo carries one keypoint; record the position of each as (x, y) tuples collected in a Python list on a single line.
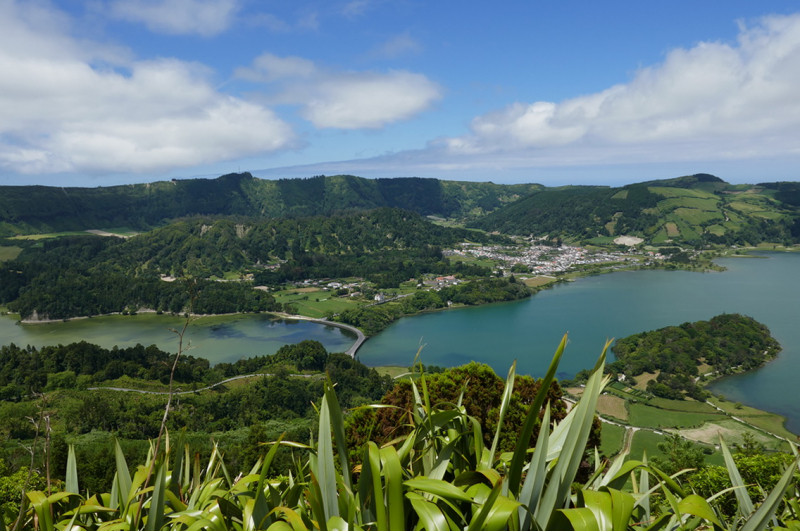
[(722, 343), (64, 372), (373, 319), (87, 275), (31, 209)]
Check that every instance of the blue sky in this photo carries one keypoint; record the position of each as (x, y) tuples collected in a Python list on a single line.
[(104, 92)]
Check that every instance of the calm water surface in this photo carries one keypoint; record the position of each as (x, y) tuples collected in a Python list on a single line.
[(607, 306), (218, 338)]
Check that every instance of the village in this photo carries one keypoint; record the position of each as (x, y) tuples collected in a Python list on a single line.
[(546, 259)]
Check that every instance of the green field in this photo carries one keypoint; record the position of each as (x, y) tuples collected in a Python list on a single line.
[(315, 304), (719, 230), (651, 417), (768, 215), (696, 216), (767, 421), (49, 235), (9, 253), (681, 192), (672, 203), (392, 370), (647, 441), (601, 240), (612, 436), (484, 262), (687, 406)]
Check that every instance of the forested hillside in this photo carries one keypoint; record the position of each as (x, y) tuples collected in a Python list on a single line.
[(87, 275), (32, 209), (698, 209), (675, 352)]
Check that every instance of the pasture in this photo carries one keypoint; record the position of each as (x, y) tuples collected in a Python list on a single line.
[(9, 252)]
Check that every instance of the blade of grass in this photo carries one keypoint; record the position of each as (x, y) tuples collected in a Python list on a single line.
[(531, 420)]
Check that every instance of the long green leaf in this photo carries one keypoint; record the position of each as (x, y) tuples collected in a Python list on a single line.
[(394, 488), (326, 468), (480, 517), (155, 518), (72, 471), (337, 423), (765, 512), (431, 516), (531, 420), (745, 503), (504, 403), (123, 475), (534, 481), (558, 489), (439, 488), (374, 470), (697, 506)]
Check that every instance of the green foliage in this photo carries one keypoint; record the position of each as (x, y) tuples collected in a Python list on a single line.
[(723, 342), (680, 455), (27, 209)]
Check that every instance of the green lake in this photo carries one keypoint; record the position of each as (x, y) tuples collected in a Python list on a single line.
[(590, 309), (225, 338), (616, 305)]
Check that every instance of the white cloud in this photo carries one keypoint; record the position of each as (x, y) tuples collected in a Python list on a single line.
[(268, 67), (713, 100), (58, 112), (397, 46), (343, 100), (178, 17), (357, 8)]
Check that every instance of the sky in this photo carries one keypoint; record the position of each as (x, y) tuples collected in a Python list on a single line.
[(107, 92)]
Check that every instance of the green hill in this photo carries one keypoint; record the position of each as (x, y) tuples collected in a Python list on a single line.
[(37, 209), (694, 209)]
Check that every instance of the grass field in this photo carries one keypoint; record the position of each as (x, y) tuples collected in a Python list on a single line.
[(647, 441), (687, 406), (307, 304), (651, 417), (672, 229), (613, 406), (680, 192), (49, 235), (696, 216), (768, 215), (642, 379), (484, 262), (392, 370), (671, 204), (541, 280), (732, 432), (766, 421), (9, 253), (611, 441)]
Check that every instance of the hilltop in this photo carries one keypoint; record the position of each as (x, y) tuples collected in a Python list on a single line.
[(693, 210), (37, 209)]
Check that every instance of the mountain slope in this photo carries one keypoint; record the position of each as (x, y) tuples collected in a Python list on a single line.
[(692, 209), (32, 209)]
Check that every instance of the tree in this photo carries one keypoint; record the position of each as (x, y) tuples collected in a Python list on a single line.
[(680, 454)]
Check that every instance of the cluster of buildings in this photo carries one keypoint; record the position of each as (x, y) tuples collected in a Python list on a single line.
[(542, 259)]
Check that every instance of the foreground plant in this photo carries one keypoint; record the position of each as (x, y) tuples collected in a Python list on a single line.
[(439, 477)]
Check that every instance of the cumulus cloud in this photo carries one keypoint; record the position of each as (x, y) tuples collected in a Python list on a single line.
[(343, 100), (178, 17), (60, 112), (712, 100)]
